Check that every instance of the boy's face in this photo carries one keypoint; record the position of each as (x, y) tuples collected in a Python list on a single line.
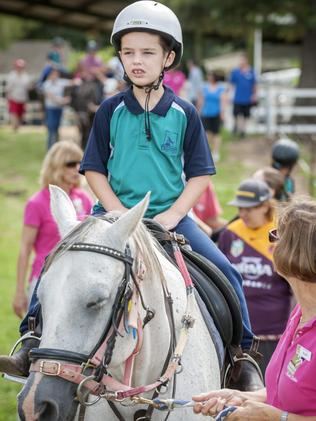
[(143, 57)]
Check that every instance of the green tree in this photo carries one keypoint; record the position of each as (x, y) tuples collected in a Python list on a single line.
[(290, 20), (12, 29)]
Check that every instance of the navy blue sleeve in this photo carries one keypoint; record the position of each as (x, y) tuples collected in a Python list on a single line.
[(198, 160), (98, 149)]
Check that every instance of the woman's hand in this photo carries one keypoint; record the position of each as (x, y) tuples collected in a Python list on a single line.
[(169, 219), (213, 402), (20, 303), (255, 411)]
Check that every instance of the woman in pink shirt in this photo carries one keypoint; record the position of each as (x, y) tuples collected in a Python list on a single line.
[(290, 393), (40, 233)]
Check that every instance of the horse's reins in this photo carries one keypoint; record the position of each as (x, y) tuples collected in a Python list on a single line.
[(100, 383)]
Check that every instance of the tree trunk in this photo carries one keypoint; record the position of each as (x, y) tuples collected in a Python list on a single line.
[(308, 75)]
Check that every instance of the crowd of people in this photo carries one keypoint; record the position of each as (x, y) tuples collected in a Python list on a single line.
[(94, 80), (267, 251)]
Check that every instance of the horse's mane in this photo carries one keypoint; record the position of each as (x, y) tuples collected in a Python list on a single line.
[(145, 245)]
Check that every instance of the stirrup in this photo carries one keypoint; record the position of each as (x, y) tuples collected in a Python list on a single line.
[(27, 335), (11, 377), (236, 359)]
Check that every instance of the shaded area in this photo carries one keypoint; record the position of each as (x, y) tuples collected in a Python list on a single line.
[(96, 15)]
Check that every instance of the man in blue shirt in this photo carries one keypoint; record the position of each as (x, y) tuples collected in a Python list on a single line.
[(244, 81)]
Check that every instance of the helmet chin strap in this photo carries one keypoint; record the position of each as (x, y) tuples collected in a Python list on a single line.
[(148, 88)]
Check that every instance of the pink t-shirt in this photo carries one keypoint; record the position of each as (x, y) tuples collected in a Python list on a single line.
[(175, 80), (207, 206), (291, 373), (37, 214)]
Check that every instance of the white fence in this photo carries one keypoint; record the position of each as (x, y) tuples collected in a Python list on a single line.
[(277, 106)]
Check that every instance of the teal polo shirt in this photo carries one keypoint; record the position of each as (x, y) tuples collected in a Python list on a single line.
[(119, 149)]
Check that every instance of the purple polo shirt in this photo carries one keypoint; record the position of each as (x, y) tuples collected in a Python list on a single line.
[(291, 373), (267, 294)]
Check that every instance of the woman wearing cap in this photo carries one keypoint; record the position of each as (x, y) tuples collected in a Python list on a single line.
[(290, 377), (148, 139), (246, 244), (17, 87)]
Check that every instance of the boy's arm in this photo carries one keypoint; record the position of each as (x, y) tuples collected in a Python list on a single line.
[(191, 193), (103, 191)]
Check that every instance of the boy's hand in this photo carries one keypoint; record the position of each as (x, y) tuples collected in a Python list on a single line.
[(169, 219)]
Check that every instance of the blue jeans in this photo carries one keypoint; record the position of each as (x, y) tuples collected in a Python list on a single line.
[(203, 245), (53, 118)]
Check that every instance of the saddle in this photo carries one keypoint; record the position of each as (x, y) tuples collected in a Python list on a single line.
[(240, 368), (211, 284)]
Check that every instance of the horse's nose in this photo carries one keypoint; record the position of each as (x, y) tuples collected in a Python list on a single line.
[(49, 410)]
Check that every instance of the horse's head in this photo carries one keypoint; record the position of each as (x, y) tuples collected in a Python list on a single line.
[(77, 292)]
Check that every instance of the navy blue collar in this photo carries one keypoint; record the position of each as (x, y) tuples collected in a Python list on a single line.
[(161, 108)]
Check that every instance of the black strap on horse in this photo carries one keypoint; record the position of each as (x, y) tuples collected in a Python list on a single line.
[(145, 415)]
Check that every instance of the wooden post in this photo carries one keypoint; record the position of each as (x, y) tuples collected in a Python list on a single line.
[(312, 176)]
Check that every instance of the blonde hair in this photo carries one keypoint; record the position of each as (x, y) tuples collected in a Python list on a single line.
[(53, 166), (295, 251)]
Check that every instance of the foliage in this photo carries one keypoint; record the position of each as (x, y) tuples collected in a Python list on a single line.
[(12, 29), (288, 18), (75, 56)]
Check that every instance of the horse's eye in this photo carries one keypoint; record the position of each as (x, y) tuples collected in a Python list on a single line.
[(97, 303)]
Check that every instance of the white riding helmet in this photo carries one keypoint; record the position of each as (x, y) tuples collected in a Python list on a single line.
[(149, 16)]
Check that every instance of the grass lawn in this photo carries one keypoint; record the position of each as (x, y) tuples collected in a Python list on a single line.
[(20, 160)]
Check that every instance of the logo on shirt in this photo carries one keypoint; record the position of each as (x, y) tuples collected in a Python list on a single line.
[(237, 248), (253, 267), (302, 354), (169, 144)]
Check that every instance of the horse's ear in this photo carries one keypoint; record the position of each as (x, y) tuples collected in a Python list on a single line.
[(62, 209), (124, 227)]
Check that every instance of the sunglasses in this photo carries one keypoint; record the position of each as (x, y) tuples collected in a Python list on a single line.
[(273, 235), (72, 164)]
